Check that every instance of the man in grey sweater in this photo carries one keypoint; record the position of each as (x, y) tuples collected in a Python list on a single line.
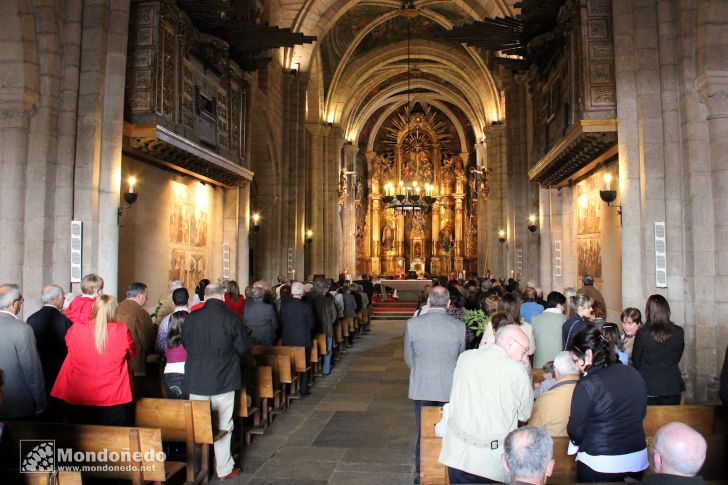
[(432, 344)]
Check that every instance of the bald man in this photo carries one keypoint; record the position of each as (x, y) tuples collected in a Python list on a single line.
[(491, 392), (677, 455)]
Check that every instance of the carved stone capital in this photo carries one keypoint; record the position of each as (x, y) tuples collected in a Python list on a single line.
[(314, 129), (713, 88)]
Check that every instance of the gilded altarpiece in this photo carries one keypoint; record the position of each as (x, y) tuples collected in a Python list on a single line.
[(438, 240)]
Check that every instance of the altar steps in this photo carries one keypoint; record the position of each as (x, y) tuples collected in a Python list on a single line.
[(393, 310)]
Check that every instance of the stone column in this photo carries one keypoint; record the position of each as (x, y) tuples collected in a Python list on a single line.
[(348, 239), (332, 221), (481, 154), (374, 221), (435, 258), (546, 273), (242, 258)]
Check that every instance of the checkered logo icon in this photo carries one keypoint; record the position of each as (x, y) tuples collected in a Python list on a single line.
[(37, 456)]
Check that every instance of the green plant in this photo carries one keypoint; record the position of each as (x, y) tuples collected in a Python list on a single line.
[(477, 321)]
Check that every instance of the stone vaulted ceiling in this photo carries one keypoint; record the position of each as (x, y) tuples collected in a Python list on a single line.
[(358, 67)]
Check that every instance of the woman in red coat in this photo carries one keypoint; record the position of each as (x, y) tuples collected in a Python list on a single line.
[(233, 299), (94, 379)]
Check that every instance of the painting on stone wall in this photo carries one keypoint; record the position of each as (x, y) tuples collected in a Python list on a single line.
[(589, 257), (588, 207), (188, 226), (187, 266)]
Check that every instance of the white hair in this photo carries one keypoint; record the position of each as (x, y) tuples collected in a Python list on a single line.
[(9, 293), (564, 364), (297, 288), (175, 285), (50, 293)]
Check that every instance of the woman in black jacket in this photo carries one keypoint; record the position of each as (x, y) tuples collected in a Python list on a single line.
[(658, 348), (607, 409)]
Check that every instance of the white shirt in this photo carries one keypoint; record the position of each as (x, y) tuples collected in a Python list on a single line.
[(10, 313)]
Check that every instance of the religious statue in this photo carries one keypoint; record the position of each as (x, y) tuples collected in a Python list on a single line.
[(458, 168), (446, 241), (342, 191), (388, 234)]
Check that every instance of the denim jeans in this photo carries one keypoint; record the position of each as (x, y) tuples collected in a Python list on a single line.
[(327, 357), (174, 385)]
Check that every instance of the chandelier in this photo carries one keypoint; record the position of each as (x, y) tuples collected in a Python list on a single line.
[(408, 197)]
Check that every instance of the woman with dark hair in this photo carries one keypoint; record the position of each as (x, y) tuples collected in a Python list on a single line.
[(580, 313), (658, 348), (607, 409), (509, 304), (631, 322), (199, 298), (233, 299), (176, 355)]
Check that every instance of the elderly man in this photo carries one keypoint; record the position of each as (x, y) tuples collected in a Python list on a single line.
[(677, 455), (298, 323), (591, 290), (24, 390), (528, 455), (260, 317), (326, 315), (552, 408), (214, 341), (131, 311), (432, 344), (491, 393), (49, 325)]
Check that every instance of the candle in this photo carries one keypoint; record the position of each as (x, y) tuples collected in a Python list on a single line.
[(132, 183), (608, 180)]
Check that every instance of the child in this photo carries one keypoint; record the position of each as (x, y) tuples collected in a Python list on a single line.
[(79, 310), (611, 334), (549, 380)]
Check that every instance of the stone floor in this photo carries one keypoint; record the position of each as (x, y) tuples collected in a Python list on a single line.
[(356, 427)]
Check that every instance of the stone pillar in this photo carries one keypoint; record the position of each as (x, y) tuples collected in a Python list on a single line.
[(99, 136), (546, 273), (481, 153), (332, 221), (316, 196), (242, 258), (374, 221), (435, 258), (348, 236)]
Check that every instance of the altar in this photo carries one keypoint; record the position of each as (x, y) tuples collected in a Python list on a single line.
[(407, 290)]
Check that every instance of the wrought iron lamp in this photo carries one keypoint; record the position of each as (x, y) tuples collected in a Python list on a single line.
[(309, 235), (608, 195), (129, 198), (502, 236), (532, 223)]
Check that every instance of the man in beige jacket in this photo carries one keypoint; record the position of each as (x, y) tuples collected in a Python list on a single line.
[(491, 393), (552, 409)]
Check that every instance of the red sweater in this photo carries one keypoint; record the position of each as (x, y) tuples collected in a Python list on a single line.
[(90, 379), (80, 309), (235, 306)]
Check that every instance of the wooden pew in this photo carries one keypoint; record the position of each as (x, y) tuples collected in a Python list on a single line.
[(707, 419), (184, 421), (245, 411), (120, 440), (59, 478), (297, 357), (338, 339), (313, 364), (322, 351)]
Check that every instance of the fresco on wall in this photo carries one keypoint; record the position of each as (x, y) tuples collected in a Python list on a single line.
[(188, 243), (588, 228)]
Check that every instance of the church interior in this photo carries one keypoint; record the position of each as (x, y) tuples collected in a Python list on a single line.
[(538, 140)]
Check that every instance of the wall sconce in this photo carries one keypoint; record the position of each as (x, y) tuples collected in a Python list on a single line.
[(610, 195), (256, 221), (532, 223), (309, 236), (129, 198), (502, 236)]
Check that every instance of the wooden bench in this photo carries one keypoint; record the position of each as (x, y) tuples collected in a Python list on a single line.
[(121, 441), (59, 478), (707, 419), (297, 357), (246, 411), (185, 421)]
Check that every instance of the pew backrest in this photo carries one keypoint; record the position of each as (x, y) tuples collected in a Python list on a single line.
[(176, 418)]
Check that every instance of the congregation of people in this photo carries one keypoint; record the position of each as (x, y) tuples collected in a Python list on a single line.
[(84, 358), (472, 348)]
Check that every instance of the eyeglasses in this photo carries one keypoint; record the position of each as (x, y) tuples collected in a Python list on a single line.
[(525, 349)]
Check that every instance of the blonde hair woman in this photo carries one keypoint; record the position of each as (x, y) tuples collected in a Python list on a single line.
[(94, 379)]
